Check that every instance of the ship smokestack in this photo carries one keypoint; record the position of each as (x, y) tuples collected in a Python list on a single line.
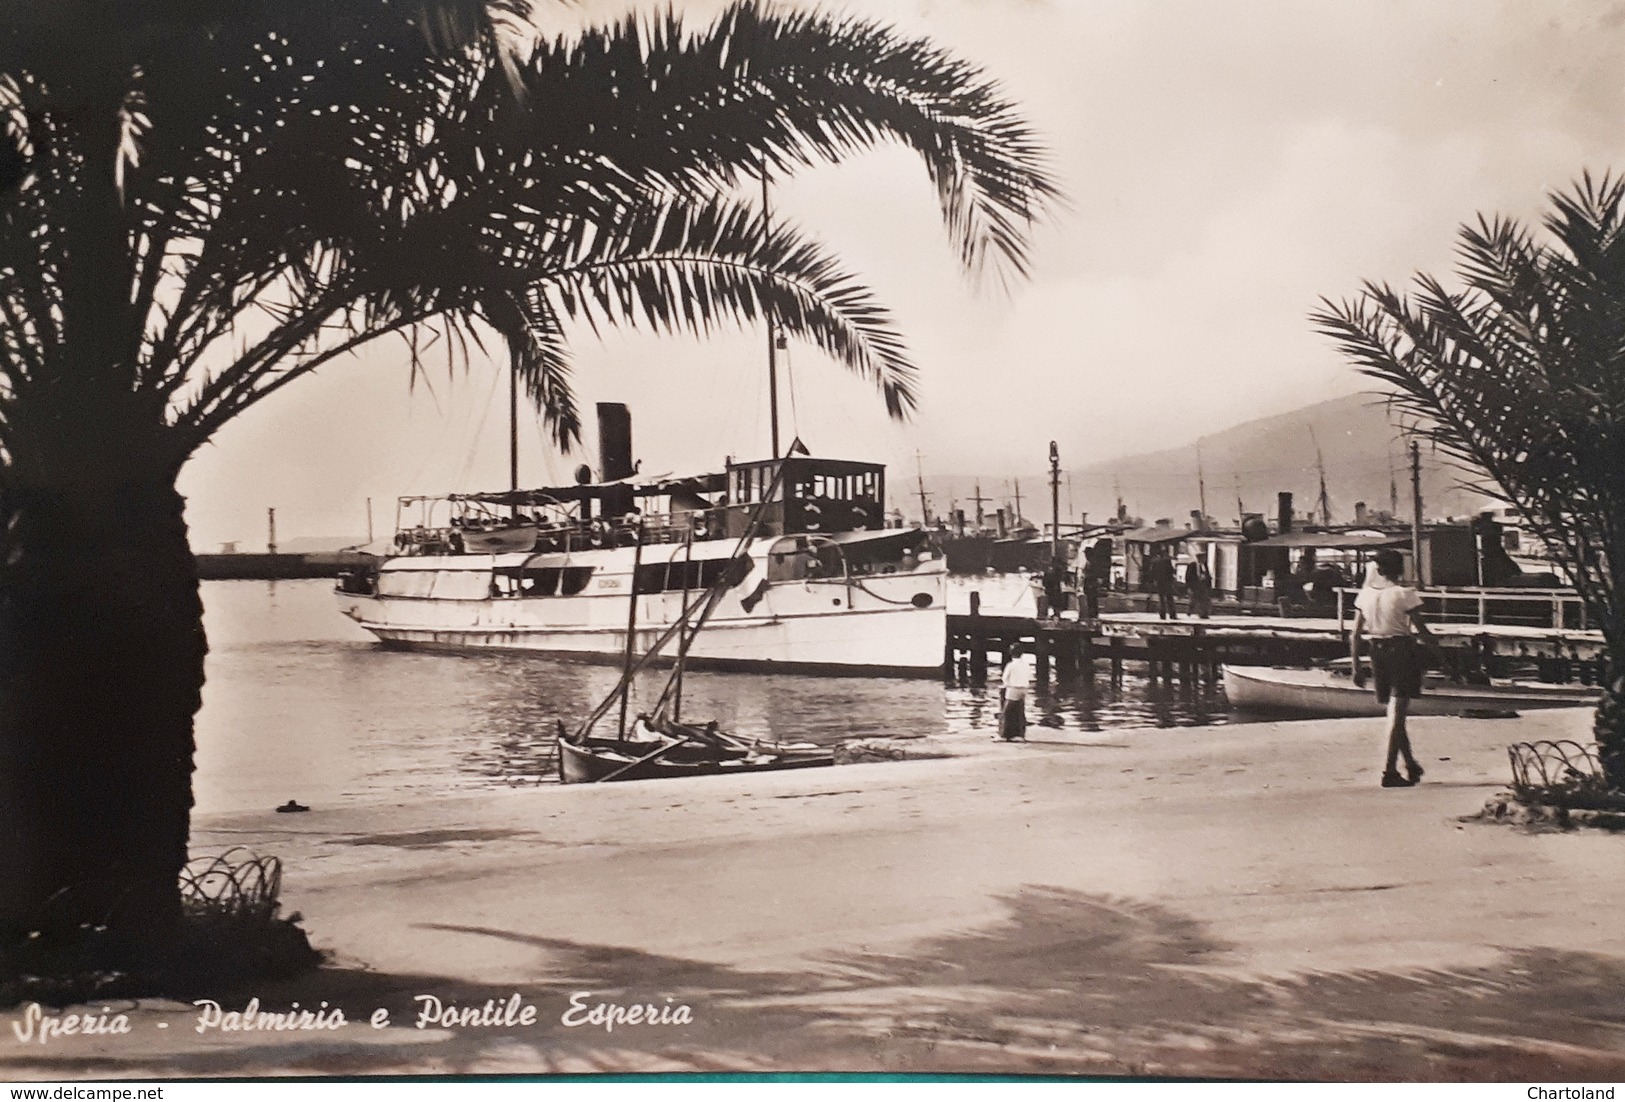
[(1283, 512), (614, 441)]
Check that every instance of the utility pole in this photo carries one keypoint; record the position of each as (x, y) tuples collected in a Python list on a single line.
[(1416, 508), (1055, 501), (270, 540), (925, 507), (1393, 489)]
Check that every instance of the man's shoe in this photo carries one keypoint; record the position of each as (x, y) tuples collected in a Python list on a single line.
[(1394, 780), (1413, 772)]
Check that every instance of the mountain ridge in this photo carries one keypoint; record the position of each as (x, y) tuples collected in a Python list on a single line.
[(1360, 443)]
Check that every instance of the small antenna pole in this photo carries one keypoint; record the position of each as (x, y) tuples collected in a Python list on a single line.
[(1055, 501)]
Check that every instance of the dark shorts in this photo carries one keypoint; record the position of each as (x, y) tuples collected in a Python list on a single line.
[(1396, 668)]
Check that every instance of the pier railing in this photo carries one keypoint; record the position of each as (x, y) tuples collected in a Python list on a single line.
[(1558, 609)]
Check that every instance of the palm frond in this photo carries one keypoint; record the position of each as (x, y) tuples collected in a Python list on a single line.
[(767, 88), (1521, 375)]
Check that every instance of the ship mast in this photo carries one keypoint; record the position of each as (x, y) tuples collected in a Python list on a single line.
[(919, 474), (979, 499), (1320, 465), (772, 335), (513, 435), (1201, 486)]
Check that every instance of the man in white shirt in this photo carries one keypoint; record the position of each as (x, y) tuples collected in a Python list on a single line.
[(1018, 674), (1390, 613)]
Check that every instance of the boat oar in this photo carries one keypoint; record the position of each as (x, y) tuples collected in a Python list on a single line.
[(651, 756)]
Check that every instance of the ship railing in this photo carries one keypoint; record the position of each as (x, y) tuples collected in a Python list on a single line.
[(574, 534)]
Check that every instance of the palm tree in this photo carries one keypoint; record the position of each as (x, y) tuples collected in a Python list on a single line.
[(200, 211), (1520, 375)]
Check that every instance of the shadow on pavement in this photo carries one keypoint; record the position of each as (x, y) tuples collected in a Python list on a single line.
[(1068, 983)]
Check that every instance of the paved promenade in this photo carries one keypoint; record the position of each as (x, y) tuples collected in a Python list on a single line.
[(1241, 901)]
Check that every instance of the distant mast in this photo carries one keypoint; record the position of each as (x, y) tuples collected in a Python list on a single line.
[(1201, 486), (1324, 501), (919, 474)]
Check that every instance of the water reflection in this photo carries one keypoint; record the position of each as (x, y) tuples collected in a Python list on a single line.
[(1097, 705), (301, 704)]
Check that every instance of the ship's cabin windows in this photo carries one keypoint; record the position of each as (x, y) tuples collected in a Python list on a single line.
[(574, 579), (790, 560), (692, 576), (749, 484), (815, 495), (798, 558), (542, 581)]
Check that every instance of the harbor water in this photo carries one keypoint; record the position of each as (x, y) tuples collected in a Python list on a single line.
[(301, 704)]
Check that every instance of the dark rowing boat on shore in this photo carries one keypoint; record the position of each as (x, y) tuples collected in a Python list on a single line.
[(678, 750)]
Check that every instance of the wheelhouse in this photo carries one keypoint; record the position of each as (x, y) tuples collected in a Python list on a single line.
[(804, 495)]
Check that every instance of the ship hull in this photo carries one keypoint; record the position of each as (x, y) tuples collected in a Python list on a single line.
[(887, 624)]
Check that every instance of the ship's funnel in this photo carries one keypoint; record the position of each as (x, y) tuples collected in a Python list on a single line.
[(614, 441), (1283, 512)]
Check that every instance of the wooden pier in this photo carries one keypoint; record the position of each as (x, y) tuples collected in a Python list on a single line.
[(1188, 648)]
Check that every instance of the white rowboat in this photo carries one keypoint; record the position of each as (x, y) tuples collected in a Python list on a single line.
[(1325, 692)]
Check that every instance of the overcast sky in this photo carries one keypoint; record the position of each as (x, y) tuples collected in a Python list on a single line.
[(1227, 163)]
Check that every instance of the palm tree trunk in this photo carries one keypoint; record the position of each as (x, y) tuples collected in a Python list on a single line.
[(101, 670), (101, 635)]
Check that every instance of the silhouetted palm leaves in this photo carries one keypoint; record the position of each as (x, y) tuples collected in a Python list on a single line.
[(323, 180), (1521, 375)]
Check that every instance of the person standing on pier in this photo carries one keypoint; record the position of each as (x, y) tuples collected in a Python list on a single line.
[(1199, 584), (1391, 614), (1159, 571), (1018, 674), (1054, 582), (1097, 571)]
